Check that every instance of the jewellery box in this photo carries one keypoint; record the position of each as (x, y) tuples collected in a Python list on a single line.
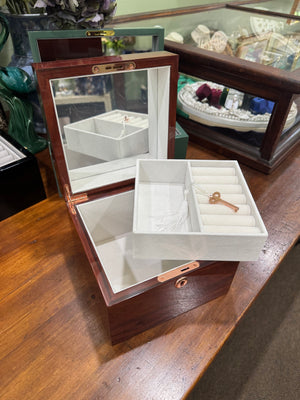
[(98, 188), (20, 179)]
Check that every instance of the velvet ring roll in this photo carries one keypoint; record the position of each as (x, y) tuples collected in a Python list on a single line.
[(214, 98), (203, 91), (212, 171), (230, 229), (261, 106)]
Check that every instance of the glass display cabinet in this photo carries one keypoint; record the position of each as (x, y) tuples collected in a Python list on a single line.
[(239, 84)]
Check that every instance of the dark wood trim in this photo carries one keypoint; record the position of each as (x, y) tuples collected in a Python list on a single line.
[(295, 6), (262, 12), (276, 125), (176, 11), (236, 73), (249, 155)]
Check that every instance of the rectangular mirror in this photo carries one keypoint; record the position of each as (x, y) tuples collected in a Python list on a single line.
[(102, 116), (102, 120)]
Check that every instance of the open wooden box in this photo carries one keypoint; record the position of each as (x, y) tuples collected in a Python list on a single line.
[(138, 293)]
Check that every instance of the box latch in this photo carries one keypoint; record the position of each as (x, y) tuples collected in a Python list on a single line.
[(73, 200), (178, 271)]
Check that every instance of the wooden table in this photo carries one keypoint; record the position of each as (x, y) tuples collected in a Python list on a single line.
[(54, 344)]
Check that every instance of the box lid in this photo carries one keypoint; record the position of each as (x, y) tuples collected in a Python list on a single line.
[(104, 113)]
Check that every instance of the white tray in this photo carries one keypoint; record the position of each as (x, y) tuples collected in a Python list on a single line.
[(173, 217)]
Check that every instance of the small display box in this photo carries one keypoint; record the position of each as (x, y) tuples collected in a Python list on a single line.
[(198, 209), (20, 179), (138, 292)]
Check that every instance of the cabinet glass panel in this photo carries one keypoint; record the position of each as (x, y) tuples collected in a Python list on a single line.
[(126, 8), (285, 6), (267, 40), (229, 112)]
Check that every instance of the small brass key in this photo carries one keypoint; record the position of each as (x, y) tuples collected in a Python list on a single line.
[(216, 198)]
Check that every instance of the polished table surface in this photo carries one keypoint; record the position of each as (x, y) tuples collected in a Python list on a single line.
[(54, 343)]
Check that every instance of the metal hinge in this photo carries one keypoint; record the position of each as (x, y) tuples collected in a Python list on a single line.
[(73, 200)]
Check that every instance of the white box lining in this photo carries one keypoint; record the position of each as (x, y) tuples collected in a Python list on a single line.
[(108, 222)]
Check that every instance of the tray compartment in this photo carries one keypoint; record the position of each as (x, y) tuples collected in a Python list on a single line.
[(163, 200), (108, 222)]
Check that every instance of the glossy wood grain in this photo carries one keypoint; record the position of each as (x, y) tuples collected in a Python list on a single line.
[(165, 301), (150, 302), (54, 343)]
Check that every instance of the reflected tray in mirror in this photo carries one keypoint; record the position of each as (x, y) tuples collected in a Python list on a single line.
[(109, 136)]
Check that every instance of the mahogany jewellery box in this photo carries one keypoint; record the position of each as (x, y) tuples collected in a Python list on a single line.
[(128, 128)]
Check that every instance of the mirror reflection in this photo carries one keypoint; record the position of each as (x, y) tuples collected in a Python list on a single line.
[(102, 119)]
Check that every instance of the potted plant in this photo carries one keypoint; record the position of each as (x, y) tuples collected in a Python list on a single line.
[(24, 15), (19, 16), (78, 13)]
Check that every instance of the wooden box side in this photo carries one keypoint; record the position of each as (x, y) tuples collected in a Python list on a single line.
[(167, 300)]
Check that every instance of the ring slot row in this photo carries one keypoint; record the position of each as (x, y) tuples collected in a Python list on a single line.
[(219, 218)]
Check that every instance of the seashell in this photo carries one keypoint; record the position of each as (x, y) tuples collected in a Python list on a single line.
[(201, 34), (175, 37), (219, 41)]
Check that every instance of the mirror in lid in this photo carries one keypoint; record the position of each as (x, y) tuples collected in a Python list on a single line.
[(104, 113)]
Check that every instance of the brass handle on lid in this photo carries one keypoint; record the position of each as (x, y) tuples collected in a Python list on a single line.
[(181, 282), (101, 32), (118, 66)]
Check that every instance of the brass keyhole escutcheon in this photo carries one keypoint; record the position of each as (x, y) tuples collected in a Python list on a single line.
[(181, 282)]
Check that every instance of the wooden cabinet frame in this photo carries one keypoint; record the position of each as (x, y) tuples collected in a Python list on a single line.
[(281, 87)]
